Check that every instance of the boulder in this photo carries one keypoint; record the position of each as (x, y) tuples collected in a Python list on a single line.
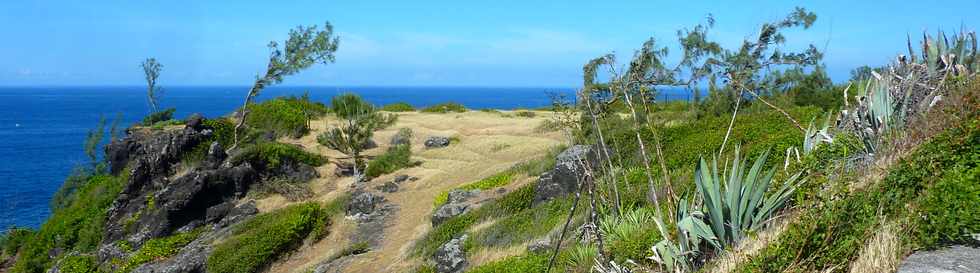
[(436, 142), (540, 246), (363, 203), (447, 211), (569, 168), (450, 258), (194, 121), (955, 259), (460, 196), (402, 178)]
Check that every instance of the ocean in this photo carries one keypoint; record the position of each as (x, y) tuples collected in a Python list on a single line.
[(42, 128)]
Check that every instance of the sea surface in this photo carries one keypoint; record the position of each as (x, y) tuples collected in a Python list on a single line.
[(42, 128)]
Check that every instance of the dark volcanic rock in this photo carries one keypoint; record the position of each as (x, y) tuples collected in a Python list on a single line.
[(569, 168), (436, 142), (388, 187), (195, 122)]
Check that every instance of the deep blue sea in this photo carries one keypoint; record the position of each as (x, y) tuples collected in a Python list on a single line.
[(42, 128)]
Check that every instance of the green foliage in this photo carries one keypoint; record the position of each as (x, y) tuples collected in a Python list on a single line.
[(933, 178), (151, 71), (79, 264), (452, 228), (630, 235), (523, 225), (495, 181), (446, 107), (285, 116), (527, 263), (76, 227), (160, 248), (93, 140), (397, 157), (155, 117), (735, 201), (398, 107), (270, 155), (66, 193), (222, 131), (12, 240), (359, 121), (259, 241), (160, 125), (950, 210)]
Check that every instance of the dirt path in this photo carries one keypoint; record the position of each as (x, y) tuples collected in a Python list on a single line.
[(489, 143)]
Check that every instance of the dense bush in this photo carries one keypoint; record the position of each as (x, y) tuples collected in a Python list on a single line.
[(259, 241), (285, 116), (398, 107), (448, 107), (76, 227), (936, 178), (393, 159), (159, 248), (269, 155), (162, 116), (525, 114), (524, 225), (527, 263), (222, 131), (12, 240), (79, 264)]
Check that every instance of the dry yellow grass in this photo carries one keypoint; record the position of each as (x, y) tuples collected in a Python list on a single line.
[(489, 143), (880, 254)]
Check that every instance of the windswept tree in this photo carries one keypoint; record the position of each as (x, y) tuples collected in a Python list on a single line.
[(305, 47), (151, 70), (359, 120)]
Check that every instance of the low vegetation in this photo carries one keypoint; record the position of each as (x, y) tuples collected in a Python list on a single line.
[(443, 108), (159, 248), (398, 107), (270, 155), (395, 158), (157, 118), (285, 116), (492, 182), (257, 242)]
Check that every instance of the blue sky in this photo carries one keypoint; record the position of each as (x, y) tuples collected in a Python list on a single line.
[(419, 43)]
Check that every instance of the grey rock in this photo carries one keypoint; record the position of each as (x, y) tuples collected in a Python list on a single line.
[(460, 196), (364, 202), (436, 142), (195, 121), (400, 139), (388, 187), (564, 178), (955, 259), (449, 258), (216, 155), (402, 178), (447, 211), (539, 246)]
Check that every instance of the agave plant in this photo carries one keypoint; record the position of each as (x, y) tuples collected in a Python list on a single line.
[(678, 254), (814, 137), (735, 200)]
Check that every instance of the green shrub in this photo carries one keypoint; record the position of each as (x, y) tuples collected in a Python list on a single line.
[(930, 178), (76, 227), (161, 116), (270, 155), (259, 241), (160, 248), (12, 240), (160, 125), (525, 114), (442, 108), (950, 212), (495, 181), (529, 263), (395, 158), (398, 107), (222, 131), (79, 264), (285, 116), (452, 228)]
